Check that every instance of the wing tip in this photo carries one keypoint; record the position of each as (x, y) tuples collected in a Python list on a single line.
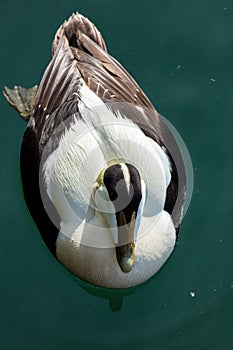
[(72, 28)]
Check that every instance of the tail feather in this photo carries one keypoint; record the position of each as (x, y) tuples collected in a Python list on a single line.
[(71, 30)]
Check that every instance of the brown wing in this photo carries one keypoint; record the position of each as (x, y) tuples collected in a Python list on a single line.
[(79, 53), (101, 72)]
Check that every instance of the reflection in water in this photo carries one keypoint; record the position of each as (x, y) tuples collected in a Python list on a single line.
[(114, 296)]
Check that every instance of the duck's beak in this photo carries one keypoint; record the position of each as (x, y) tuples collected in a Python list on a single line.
[(125, 248)]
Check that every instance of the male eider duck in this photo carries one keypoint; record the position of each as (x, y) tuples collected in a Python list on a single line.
[(102, 173)]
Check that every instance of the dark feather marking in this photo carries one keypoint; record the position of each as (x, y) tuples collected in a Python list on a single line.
[(30, 162)]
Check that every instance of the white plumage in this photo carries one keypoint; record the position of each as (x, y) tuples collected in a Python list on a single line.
[(89, 145)]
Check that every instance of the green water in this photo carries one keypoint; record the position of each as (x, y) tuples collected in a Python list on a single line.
[(181, 53)]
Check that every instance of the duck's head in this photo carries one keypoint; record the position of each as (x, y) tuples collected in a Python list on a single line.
[(119, 194)]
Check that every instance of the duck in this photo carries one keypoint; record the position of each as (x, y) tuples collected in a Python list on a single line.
[(103, 175)]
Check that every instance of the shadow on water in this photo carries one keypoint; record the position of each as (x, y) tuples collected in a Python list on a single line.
[(115, 297)]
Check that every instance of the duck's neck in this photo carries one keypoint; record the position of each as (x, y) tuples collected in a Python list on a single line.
[(92, 232)]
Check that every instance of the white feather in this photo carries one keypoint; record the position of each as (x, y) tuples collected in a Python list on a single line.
[(99, 265), (87, 146)]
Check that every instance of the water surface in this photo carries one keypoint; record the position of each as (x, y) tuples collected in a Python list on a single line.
[(181, 53)]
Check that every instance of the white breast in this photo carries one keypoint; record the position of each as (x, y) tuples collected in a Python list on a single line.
[(87, 146), (99, 266)]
